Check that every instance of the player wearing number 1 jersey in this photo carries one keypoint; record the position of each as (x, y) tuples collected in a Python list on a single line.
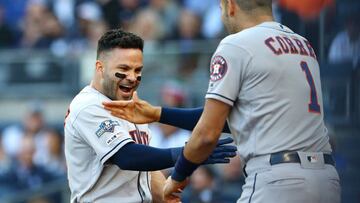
[(265, 84), (274, 88)]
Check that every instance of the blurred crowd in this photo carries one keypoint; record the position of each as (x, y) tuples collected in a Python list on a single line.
[(31, 151), (31, 155), (76, 25)]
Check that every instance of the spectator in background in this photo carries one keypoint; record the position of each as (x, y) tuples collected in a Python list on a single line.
[(14, 12), (148, 25), (119, 13), (212, 26), (91, 26), (168, 10), (24, 174), (5, 164), (202, 187), (189, 26), (166, 136), (54, 160), (64, 10), (41, 27), (306, 9), (303, 17), (33, 126), (231, 180), (6, 34), (346, 45), (192, 71)]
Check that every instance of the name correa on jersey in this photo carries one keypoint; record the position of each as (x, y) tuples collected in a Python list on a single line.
[(218, 68), (106, 126)]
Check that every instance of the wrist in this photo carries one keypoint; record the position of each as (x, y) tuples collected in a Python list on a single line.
[(183, 168), (157, 113)]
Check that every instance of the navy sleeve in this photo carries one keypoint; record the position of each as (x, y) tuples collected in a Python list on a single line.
[(138, 157), (185, 118)]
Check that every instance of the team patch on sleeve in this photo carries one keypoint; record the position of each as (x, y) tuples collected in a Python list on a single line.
[(106, 126), (218, 68)]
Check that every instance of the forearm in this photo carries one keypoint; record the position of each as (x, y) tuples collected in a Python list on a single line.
[(137, 157), (203, 139), (157, 183), (202, 142)]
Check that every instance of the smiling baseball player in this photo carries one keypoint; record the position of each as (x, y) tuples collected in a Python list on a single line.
[(109, 158)]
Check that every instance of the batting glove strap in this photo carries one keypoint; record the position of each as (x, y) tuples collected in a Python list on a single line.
[(183, 168)]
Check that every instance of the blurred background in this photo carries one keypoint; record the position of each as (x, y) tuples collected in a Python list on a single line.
[(47, 55)]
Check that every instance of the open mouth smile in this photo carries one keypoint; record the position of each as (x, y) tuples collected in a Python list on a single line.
[(126, 88)]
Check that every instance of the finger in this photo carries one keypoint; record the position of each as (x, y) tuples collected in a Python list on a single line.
[(110, 108), (225, 141), (115, 111), (135, 97), (116, 103), (217, 161), (120, 115), (223, 155), (172, 199), (227, 148)]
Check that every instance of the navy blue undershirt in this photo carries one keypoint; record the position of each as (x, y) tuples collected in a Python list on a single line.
[(185, 118), (138, 157)]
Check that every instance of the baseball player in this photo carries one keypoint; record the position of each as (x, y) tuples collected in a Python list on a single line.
[(265, 82), (108, 158)]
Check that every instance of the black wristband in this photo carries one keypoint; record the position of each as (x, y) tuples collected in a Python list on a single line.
[(183, 168)]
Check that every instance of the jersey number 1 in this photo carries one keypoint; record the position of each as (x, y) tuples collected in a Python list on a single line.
[(314, 106)]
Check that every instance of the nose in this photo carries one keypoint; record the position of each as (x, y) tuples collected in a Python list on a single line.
[(131, 77)]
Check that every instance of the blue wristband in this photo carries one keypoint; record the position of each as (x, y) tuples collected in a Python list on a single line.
[(183, 168)]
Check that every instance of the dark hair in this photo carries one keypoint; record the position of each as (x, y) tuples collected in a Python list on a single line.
[(118, 38), (249, 5)]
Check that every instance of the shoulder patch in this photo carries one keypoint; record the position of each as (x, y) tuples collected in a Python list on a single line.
[(218, 68), (106, 126)]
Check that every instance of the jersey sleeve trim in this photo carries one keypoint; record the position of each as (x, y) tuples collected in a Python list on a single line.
[(112, 151), (220, 98)]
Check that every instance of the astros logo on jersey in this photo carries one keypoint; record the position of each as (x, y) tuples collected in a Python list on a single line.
[(218, 68)]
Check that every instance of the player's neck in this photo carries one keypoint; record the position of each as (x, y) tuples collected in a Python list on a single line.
[(248, 21), (96, 85)]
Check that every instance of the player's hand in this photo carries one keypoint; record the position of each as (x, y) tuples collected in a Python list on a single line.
[(173, 189), (220, 155), (136, 110), (222, 152)]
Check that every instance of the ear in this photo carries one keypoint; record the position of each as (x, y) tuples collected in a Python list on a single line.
[(99, 66), (231, 7)]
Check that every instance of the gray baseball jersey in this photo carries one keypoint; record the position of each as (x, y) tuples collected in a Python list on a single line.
[(270, 76), (92, 136)]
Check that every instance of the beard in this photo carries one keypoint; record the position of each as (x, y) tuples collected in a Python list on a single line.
[(109, 87)]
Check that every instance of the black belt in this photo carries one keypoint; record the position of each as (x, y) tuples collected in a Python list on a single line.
[(293, 157)]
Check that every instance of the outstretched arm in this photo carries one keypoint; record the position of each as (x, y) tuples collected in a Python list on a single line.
[(140, 111), (138, 157)]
